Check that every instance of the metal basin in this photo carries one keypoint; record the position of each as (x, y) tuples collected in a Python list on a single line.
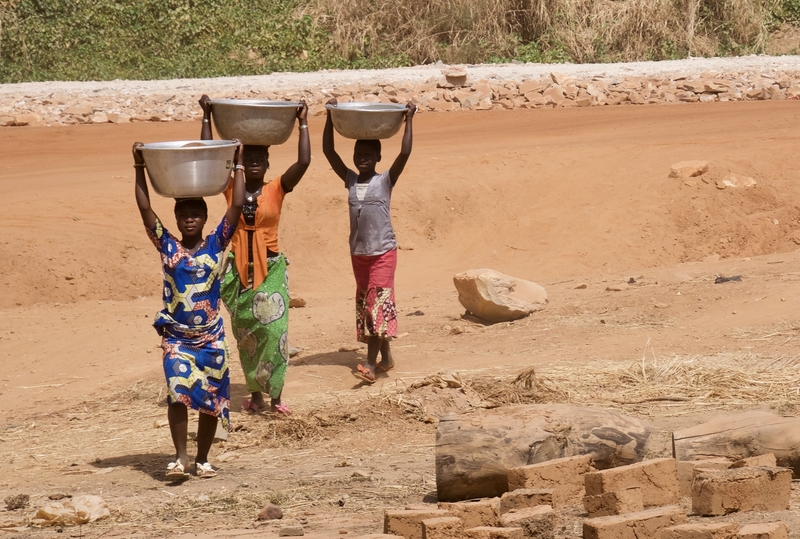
[(189, 168), (256, 122), (367, 121)]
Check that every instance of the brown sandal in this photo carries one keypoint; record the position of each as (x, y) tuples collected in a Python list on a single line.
[(365, 375)]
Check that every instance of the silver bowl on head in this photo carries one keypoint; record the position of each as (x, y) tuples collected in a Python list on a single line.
[(189, 168), (367, 121), (254, 122)]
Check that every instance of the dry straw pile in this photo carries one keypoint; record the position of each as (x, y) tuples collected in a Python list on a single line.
[(684, 383), (662, 386)]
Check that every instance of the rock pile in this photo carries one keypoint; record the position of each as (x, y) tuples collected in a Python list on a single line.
[(449, 91)]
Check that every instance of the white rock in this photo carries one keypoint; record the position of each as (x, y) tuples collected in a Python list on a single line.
[(688, 169), (455, 76), (736, 180), (291, 531), (496, 297), (82, 109), (29, 118), (560, 78), (116, 118)]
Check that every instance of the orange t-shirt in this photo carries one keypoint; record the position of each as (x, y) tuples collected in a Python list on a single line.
[(265, 231)]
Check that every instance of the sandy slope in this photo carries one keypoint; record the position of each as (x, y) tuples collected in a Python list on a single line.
[(556, 196)]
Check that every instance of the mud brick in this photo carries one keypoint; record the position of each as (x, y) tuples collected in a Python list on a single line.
[(378, 536), (754, 462), (716, 530), (645, 524), (442, 528), (719, 492), (658, 479), (686, 470), (525, 497), (616, 502), (491, 532), (564, 475), (766, 530), (408, 522), (475, 513), (538, 522)]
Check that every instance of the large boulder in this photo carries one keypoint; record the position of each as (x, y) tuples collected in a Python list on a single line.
[(496, 297)]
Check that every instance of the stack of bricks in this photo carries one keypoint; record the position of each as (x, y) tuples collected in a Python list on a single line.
[(473, 519), (526, 511), (438, 94), (638, 501), (641, 500)]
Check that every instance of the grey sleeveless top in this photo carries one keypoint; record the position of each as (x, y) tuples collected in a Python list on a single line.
[(371, 231)]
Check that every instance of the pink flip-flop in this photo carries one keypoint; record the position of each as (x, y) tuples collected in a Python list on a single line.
[(249, 407), (282, 409)]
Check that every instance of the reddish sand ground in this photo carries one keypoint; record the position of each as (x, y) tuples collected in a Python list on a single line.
[(560, 197)]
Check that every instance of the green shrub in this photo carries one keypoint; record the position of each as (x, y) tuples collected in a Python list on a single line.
[(788, 11), (154, 39)]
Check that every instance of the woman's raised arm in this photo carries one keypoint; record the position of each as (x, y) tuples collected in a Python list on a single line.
[(294, 173), (142, 193), (405, 149), (237, 197), (328, 147), (205, 131)]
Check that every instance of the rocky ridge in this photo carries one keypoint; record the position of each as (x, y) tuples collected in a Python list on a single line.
[(433, 88)]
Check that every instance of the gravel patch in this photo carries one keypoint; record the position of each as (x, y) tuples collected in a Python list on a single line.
[(437, 88)]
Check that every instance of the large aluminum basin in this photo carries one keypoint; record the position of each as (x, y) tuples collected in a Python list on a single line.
[(367, 121), (189, 168), (253, 121)]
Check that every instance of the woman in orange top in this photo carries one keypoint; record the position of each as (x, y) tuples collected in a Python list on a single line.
[(255, 287)]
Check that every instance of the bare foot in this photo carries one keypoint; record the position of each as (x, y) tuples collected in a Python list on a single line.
[(387, 361), (385, 366)]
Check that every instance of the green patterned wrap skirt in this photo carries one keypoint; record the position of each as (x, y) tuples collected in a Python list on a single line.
[(260, 320)]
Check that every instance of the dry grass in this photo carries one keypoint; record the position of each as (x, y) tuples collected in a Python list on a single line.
[(119, 427), (449, 30), (676, 384), (583, 30), (691, 383), (526, 388)]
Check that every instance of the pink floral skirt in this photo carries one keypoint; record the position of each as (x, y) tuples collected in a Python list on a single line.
[(376, 313)]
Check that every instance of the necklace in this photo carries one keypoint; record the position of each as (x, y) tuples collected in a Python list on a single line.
[(251, 196)]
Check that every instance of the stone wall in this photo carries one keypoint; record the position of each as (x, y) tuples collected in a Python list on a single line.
[(451, 90)]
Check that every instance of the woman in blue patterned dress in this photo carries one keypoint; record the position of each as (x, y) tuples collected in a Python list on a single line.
[(192, 334)]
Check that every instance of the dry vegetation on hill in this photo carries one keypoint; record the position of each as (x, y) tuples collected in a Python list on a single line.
[(536, 30)]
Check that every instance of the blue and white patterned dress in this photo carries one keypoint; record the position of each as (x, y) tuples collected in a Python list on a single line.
[(193, 336)]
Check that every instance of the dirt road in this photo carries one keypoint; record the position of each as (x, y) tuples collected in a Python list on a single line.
[(560, 197)]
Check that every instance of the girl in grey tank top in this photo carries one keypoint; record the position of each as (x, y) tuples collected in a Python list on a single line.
[(373, 246)]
